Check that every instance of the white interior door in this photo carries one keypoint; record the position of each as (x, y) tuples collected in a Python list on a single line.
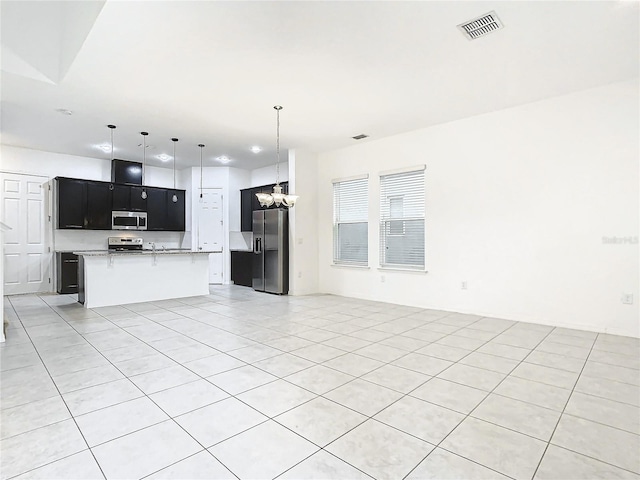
[(211, 230), (27, 260)]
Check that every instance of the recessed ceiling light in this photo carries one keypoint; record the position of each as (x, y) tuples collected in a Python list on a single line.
[(256, 149), (164, 157), (147, 146), (223, 159), (104, 147), (64, 111)]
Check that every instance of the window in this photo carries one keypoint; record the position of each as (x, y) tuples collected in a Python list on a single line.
[(402, 219), (350, 221)]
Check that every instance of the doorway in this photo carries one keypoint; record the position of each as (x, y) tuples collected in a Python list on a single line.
[(210, 230), (27, 255)]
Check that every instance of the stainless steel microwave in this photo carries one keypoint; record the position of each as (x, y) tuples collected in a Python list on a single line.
[(128, 220)]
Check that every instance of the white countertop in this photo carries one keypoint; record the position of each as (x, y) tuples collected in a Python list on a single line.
[(168, 251)]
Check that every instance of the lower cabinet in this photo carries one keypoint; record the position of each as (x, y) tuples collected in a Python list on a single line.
[(241, 268), (66, 272)]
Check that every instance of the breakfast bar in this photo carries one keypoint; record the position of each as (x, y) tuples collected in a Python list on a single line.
[(108, 278)]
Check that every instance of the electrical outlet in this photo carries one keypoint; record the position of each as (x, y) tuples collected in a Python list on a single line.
[(463, 286), (627, 298)]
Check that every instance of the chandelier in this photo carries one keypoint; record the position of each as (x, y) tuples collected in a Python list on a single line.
[(277, 197)]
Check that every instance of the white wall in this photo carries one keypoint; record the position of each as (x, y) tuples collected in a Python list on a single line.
[(517, 205), (267, 175), (303, 224)]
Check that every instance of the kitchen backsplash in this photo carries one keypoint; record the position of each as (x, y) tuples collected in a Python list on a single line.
[(66, 240)]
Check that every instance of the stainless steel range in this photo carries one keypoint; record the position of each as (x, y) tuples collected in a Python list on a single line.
[(121, 244)]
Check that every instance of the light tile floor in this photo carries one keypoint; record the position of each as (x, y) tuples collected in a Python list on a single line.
[(239, 384)]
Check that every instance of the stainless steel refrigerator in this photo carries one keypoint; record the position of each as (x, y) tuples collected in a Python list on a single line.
[(270, 266)]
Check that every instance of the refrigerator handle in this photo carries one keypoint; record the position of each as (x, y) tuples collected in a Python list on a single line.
[(258, 245)]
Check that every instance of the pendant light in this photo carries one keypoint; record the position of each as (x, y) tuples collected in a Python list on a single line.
[(111, 128), (277, 197), (201, 145), (174, 199), (144, 162)]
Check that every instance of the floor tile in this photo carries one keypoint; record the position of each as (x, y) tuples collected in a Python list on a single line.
[(554, 360), (319, 379), (380, 450), (79, 465), (118, 420), (363, 397), (145, 451), (612, 390), (522, 417), (547, 375), (502, 350), (201, 466), (444, 352), (381, 353), (320, 421), (505, 451), (598, 441), (241, 379), (188, 354), (353, 364), (471, 376), (611, 358), (323, 466), (562, 349), (450, 395), (537, 393), (141, 365), (254, 353), (39, 447), (405, 343), (264, 451), (444, 465), (283, 365), (185, 398), (600, 410), (205, 367), (276, 397), (490, 362), (318, 353), (101, 396), (17, 420), (87, 378), (421, 419), (461, 342), (561, 463), (422, 363), (219, 421), (612, 372), (396, 378), (158, 380)]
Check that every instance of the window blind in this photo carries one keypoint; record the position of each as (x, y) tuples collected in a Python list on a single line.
[(350, 222), (402, 214)]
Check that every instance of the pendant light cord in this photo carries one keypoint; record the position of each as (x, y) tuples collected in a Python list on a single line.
[(278, 108), (111, 142), (201, 145), (174, 140)]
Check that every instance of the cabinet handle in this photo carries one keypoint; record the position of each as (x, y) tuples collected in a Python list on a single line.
[(73, 226), (70, 261)]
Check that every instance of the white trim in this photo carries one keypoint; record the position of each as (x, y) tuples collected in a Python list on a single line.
[(415, 168), (351, 265), (350, 179), (404, 270)]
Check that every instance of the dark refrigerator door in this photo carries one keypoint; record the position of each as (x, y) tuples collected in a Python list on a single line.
[(257, 264), (276, 263)]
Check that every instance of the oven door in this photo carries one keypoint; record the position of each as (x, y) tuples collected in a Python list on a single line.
[(124, 221)]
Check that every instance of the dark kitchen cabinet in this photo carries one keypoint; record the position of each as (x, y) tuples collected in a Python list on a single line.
[(162, 212), (175, 211), (249, 202), (128, 198), (66, 272), (241, 273), (72, 203), (156, 208), (98, 213)]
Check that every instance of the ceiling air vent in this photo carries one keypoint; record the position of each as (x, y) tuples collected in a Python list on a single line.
[(479, 27), (360, 137)]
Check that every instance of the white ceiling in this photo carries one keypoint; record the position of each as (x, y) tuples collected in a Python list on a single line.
[(210, 71)]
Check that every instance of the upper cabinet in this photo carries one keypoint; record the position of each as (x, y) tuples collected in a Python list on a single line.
[(87, 204), (249, 202)]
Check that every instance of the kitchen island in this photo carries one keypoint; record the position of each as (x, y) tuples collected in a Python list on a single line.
[(108, 278)]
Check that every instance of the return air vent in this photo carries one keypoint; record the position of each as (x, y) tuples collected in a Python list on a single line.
[(479, 27), (360, 137)]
